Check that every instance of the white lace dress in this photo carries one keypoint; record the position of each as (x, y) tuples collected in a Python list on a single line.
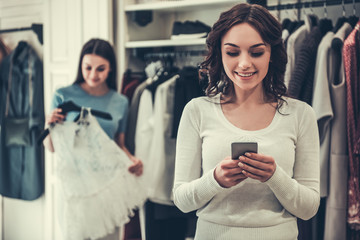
[(96, 192)]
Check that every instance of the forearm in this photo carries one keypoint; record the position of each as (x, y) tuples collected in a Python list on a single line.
[(300, 199), (190, 196)]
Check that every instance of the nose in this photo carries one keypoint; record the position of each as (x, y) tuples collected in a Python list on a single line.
[(93, 74), (244, 61)]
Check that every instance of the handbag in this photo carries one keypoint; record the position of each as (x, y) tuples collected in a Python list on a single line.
[(17, 131)]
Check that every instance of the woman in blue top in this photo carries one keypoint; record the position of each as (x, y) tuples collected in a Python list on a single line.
[(95, 87)]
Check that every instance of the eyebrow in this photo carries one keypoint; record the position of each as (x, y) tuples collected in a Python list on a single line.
[(102, 65), (253, 46)]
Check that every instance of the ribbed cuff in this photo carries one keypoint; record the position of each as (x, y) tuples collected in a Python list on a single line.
[(280, 181), (210, 186)]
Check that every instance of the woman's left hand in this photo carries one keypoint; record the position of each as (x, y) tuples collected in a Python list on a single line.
[(136, 167), (257, 166)]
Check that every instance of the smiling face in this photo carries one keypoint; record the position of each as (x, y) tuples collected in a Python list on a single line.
[(95, 71), (245, 57)]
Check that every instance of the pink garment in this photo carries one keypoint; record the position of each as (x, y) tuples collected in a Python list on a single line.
[(351, 52)]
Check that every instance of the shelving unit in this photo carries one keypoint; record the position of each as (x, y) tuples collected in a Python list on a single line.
[(156, 34), (184, 5), (164, 43)]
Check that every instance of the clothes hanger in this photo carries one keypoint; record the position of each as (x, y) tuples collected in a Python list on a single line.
[(296, 22), (325, 24), (353, 19), (341, 20), (70, 106), (311, 16)]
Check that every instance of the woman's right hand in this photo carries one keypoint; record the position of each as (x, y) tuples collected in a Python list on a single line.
[(228, 173), (55, 116)]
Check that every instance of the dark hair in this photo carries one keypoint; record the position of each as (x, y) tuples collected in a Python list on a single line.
[(270, 31), (103, 49)]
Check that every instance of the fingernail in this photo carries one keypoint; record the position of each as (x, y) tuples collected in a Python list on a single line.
[(248, 154), (240, 164)]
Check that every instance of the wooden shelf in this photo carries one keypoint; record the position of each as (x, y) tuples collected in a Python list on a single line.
[(165, 43), (184, 5)]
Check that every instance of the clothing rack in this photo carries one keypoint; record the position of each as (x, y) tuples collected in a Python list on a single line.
[(175, 53), (36, 28), (176, 57), (310, 4)]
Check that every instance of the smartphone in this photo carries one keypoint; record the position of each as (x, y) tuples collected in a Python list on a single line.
[(240, 148)]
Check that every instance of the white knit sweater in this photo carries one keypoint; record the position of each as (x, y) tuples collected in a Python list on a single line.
[(251, 209)]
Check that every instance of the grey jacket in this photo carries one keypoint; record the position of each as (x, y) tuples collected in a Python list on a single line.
[(21, 167)]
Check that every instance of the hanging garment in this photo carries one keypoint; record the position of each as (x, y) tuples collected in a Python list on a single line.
[(161, 159), (21, 159), (302, 78), (187, 87), (294, 42), (336, 202), (351, 53), (132, 118), (96, 191), (162, 219), (321, 104)]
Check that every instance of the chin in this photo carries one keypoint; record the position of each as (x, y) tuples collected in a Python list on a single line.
[(93, 84)]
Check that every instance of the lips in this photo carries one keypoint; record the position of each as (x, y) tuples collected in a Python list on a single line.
[(245, 74), (94, 80)]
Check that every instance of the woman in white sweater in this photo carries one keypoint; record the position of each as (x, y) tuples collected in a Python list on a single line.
[(259, 195)]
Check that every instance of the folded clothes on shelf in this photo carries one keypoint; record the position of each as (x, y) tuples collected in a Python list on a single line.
[(189, 29)]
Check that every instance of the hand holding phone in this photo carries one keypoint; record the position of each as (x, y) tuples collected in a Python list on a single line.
[(240, 148)]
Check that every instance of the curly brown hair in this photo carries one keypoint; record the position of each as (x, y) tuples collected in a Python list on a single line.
[(269, 29)]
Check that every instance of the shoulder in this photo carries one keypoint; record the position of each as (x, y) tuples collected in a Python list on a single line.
[(205, 100), (63, 93), (67, 90), (200, 107), (296, 107), (201, 104), (118, 97)]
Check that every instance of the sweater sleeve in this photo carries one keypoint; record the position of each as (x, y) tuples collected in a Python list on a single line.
[(57, 99), (299, 194), (191, 189)]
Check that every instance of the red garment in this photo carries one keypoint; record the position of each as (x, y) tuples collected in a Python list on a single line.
[(130, 88), (129, 84), (351, 54)]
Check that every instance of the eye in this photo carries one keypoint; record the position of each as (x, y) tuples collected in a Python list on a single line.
[(232, 54), (88, 68), (257, 54), (100, 69)]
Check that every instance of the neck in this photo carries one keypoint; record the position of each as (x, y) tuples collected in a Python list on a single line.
[(253, 96)]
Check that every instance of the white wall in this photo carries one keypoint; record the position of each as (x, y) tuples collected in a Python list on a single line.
[(22, 219), (67, 25)]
